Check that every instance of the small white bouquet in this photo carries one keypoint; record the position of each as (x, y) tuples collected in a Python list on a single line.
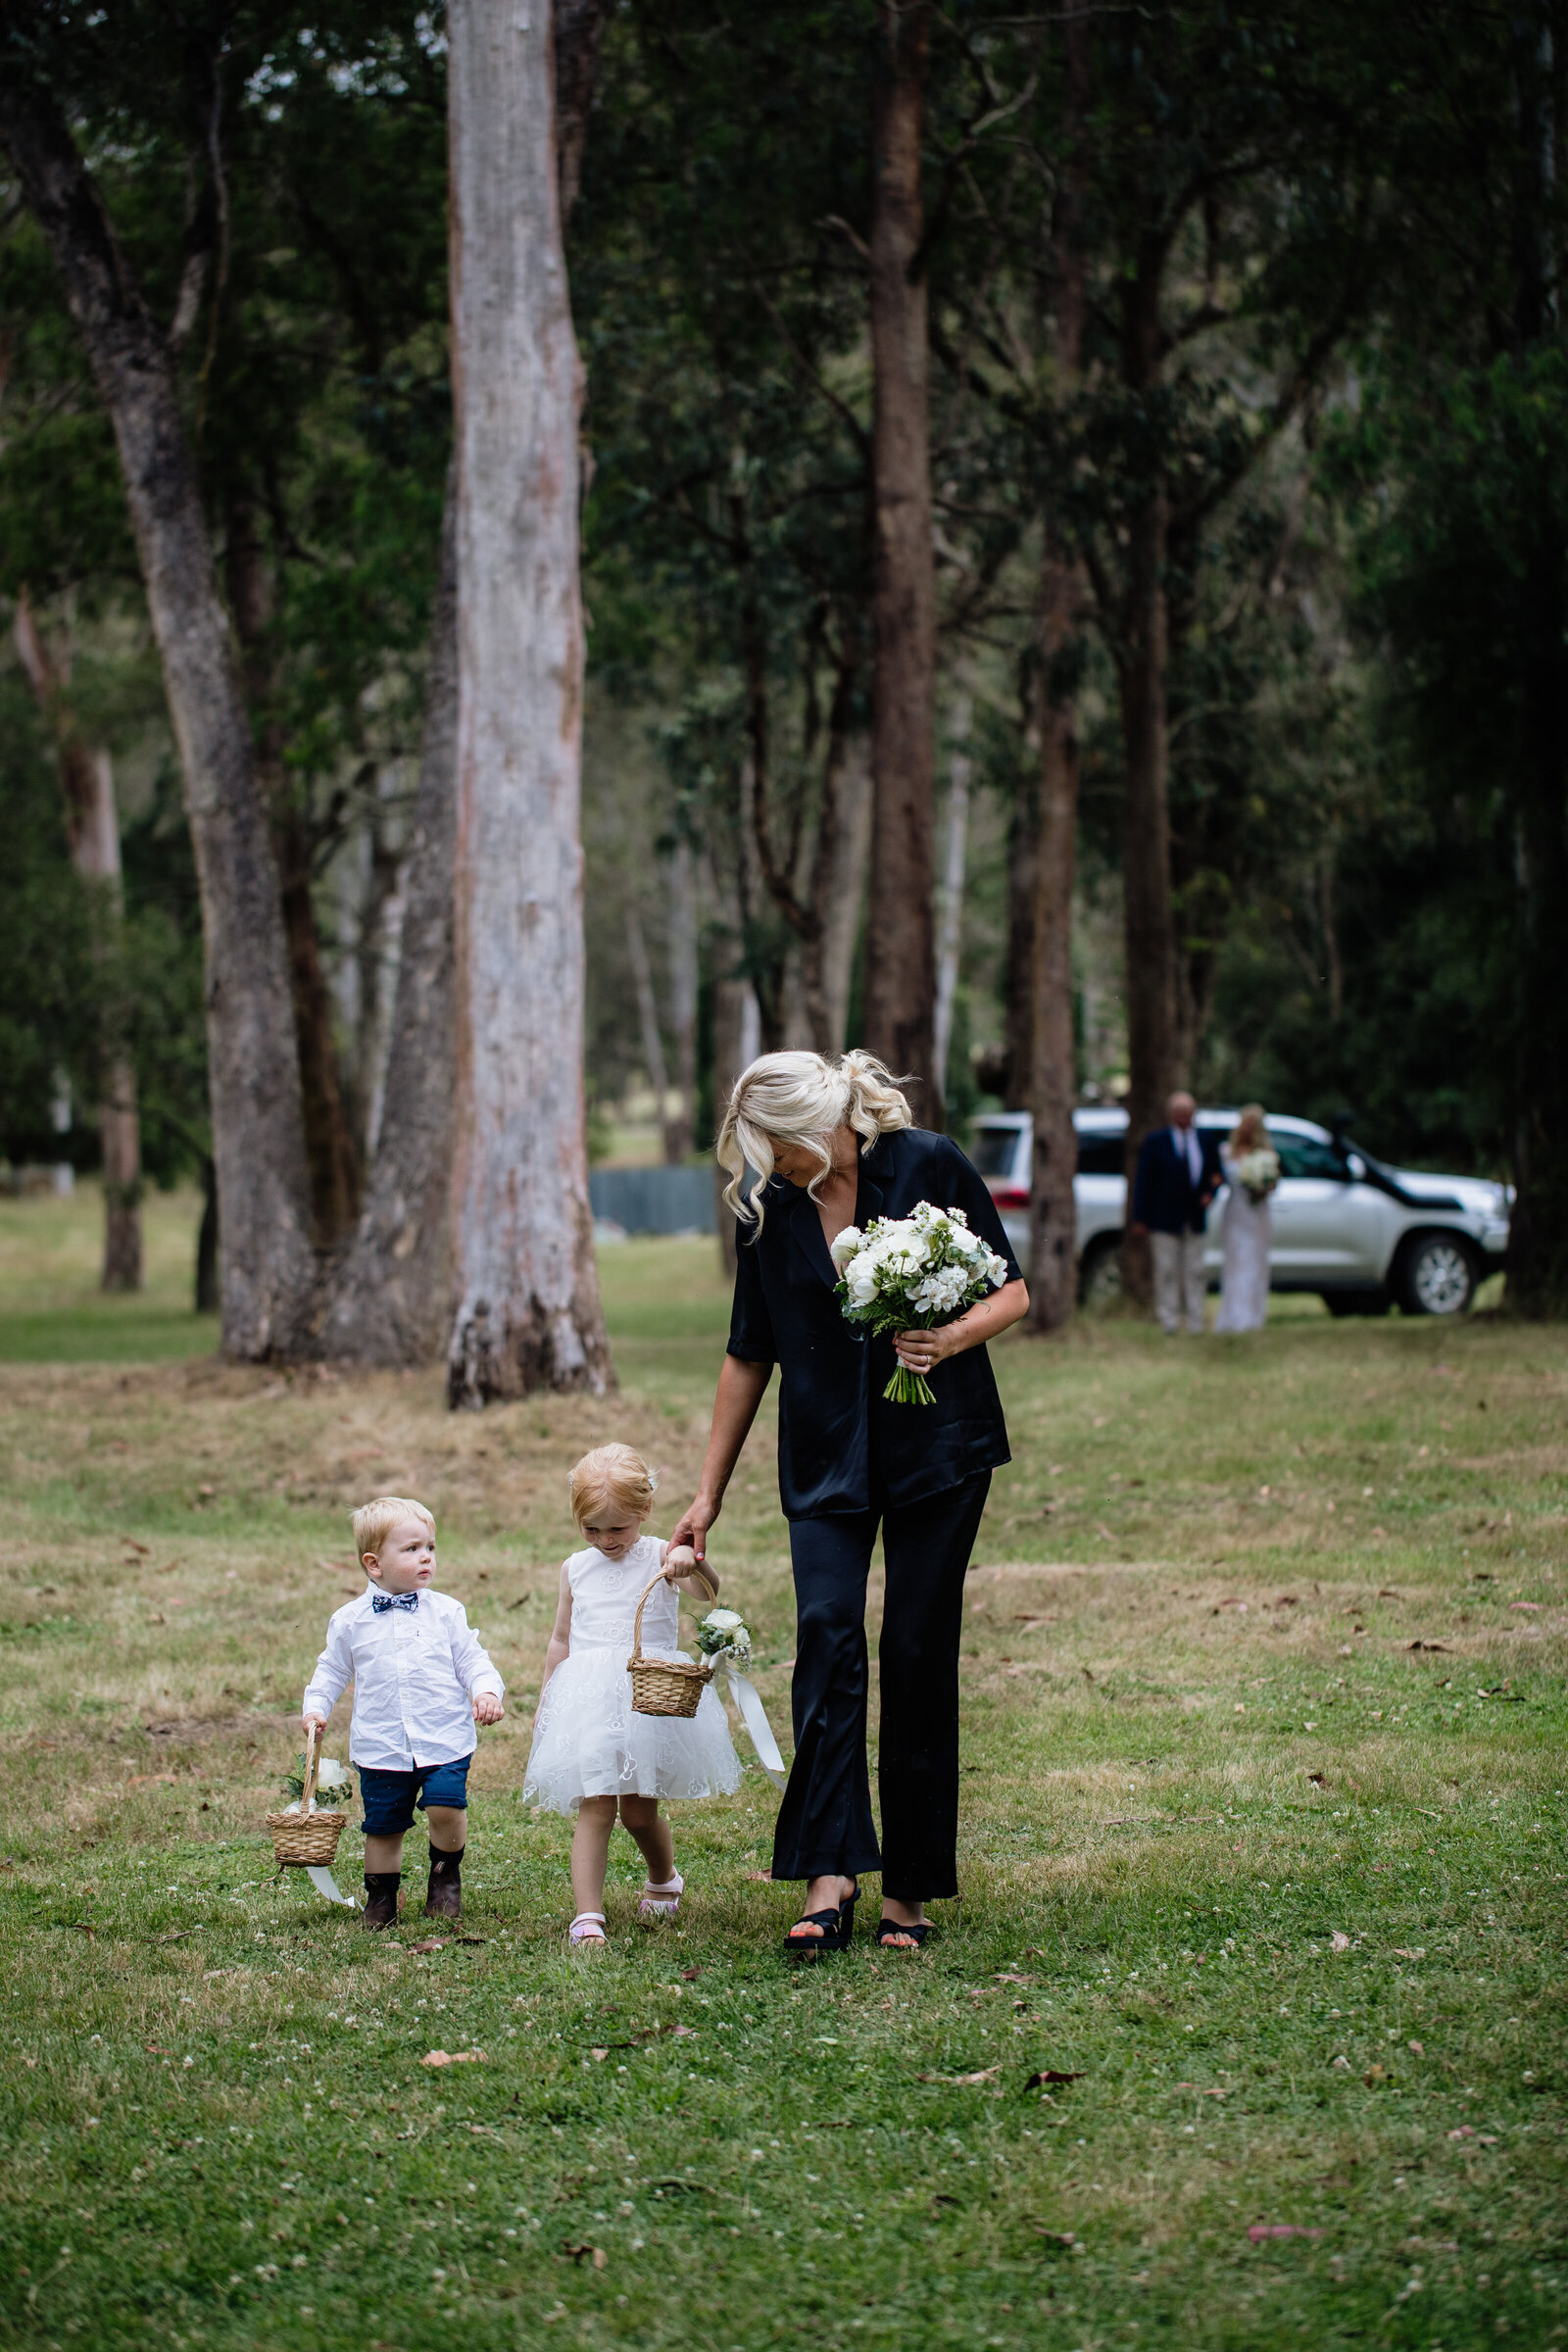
[(724, 1633), (333, 1786), (907, 1273), (1257, 1172)]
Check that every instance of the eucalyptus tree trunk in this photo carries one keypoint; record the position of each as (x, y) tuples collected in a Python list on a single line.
[(1143, 660), (527, 1311), (253, 1061), (900, 957), (1052, 1082)]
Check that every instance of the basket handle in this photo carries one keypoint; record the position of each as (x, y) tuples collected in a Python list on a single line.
[(653, 1581), (313, 1757)]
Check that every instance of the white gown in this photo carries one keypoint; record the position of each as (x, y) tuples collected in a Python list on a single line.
[(587, 1740), (1248, 1231)]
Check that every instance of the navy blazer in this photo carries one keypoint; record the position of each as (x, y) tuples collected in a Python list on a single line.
[(1165, 1197), (839, 1442)]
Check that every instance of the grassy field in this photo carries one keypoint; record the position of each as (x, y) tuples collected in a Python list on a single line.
[(1247, 2031)]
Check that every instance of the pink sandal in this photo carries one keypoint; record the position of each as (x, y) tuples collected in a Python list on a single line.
[(661, 1902)]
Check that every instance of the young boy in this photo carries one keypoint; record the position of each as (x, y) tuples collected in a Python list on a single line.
[(418, 1673)]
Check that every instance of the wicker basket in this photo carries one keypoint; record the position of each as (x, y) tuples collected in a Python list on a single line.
[(303, 1840), (665, 1686)]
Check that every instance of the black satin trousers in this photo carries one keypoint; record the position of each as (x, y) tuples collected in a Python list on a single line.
[(825, 1822)]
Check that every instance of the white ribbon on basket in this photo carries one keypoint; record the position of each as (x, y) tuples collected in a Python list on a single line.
[(754, 1715)]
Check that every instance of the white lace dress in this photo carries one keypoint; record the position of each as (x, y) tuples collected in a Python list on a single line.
[(1248, 1232), (587, 1741)]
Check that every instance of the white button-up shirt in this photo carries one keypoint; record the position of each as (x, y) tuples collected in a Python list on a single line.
[(415, 1674)]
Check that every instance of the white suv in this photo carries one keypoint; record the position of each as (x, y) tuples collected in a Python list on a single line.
[(1360, 1234)]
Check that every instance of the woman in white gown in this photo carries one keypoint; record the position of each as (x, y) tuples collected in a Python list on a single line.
[(1248, 1230)]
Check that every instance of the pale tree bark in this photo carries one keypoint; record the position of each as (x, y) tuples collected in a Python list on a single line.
[(901, 963), (1052, 1082), (527, 1311), (92, 827), (258, 1141), (683, 980), (844, 902), (387, 1296), (950, 931)]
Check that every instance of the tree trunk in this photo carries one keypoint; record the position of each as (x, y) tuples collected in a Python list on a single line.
[(950, 933), (92, 827), (900, 961), (842, 902), (683, 999), (527, 1310), (389, 1291), (328, 1144), (1063, 598), (648, 1021), (258, 1141), (1153, 1050), (1018, 975)]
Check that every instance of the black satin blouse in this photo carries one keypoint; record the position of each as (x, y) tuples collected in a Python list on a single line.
[(838, 1440)]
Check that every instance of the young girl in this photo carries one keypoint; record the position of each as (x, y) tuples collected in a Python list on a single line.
[(590, 1750)]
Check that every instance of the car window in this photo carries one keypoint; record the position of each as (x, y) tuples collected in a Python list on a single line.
[(1303, 1156), (1102, 1154), (994, 1149)]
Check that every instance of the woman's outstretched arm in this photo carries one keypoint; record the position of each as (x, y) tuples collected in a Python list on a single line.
[(740, 1393)]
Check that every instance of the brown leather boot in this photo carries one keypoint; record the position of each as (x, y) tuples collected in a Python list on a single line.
[(380, 1898), (443, 1897)]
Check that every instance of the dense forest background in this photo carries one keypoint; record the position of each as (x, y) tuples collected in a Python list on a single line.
[(1317, 253)]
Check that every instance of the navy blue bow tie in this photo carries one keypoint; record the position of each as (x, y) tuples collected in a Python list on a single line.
[(394, 1600)]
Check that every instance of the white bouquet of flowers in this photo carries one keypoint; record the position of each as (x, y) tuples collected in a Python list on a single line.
[(724, 1633), (907, 1273), (1257, 1172)]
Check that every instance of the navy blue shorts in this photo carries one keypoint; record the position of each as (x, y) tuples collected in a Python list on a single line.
[(389, 1798)]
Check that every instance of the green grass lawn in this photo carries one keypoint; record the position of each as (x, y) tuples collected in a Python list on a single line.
[(1247, 2031)]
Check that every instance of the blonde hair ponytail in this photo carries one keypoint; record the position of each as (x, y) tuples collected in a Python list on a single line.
[(797, 1100)]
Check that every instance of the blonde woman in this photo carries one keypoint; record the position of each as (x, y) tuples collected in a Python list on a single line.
[(832, 1145), (1248, 1230)]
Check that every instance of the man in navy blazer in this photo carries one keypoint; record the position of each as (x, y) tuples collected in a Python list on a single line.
[(1178, 1175)]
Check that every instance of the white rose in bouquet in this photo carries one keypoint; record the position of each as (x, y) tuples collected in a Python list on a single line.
[(724, 1634), (907, 1273)]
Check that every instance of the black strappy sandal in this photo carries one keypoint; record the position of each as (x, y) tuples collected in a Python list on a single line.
[(837, 1928), (886, 1929)]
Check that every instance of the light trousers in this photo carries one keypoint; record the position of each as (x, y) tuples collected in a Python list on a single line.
[(1179, 1280)]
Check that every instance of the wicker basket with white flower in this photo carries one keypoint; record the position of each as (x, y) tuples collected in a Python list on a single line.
[(910, 1273)]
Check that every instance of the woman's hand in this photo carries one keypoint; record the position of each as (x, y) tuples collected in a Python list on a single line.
[(918, 1351), (988, 1319), (692, 1532)]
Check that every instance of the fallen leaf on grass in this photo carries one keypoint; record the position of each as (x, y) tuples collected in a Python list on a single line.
[(132, 1545), (601, 2055), (1388, 1592), (1410, 1951), (688, 1973), (684, 2033), (984, 2075), (1059, 2240), (1338, 1942), (1418, 2048), (1463, 2132), (1218, 2094), (429, 1943), (453, 2058), (1257, 2231), (585, 2253), (1443, 1645), (764, 1875), (1525, 1604), (1047, 2073), (1374, 2075)]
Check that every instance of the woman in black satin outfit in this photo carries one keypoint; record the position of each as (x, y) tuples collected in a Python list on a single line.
[(833, 1144)]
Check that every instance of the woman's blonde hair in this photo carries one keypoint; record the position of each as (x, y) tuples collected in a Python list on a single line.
[(614, 1477), (798, 1099), (1249, 1133), (374, 1521)]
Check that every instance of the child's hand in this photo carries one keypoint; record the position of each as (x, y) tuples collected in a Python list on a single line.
[(487, 1708), (313, 1723), (679, 1560)]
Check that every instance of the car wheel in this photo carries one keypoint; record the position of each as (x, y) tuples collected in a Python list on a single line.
[(1356, 1302), (1100, 1276), (1436, 1275)]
